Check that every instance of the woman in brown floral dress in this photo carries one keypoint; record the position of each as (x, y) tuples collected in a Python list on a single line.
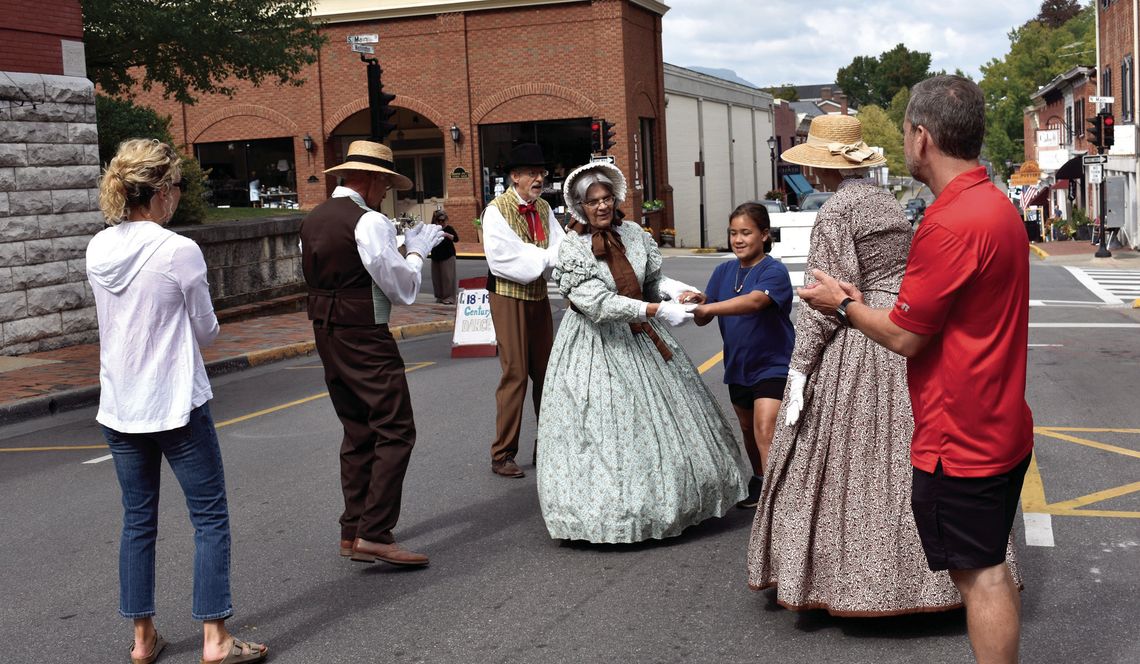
[(834, 528)]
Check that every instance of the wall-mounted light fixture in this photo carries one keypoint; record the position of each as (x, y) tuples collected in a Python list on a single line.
[(308, 141), (454, 134)]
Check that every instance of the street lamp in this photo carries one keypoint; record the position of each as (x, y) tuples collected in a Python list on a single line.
[(772, 156), (308, 142)]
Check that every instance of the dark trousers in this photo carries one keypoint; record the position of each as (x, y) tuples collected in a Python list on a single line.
[(525, 333), (369, 391), (443, 279)]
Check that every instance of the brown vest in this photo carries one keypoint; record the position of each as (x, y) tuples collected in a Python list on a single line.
[(340, 289)]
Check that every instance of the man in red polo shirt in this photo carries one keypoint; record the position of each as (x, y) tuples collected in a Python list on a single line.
[(962, 321)]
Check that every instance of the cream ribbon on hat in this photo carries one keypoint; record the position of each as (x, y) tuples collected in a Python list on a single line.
[(856, 153)]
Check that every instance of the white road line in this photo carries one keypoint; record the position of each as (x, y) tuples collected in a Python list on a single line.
[(1094, 287), (98, 460), (1046, 345), (1038, 529), (1086, 325)]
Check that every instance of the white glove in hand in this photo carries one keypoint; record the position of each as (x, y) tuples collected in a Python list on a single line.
[(422, 238), (673, 288), (552, 255), (675, 314), (796, 383)]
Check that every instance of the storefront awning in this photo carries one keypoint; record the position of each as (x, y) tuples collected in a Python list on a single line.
[(799, 184), (1073, 169)]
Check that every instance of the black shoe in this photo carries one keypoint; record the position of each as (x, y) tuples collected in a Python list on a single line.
[(755, 486)]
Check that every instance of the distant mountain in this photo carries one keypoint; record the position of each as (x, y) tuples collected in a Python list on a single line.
[(726, 74)]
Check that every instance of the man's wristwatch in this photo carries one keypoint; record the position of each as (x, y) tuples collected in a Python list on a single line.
[(841, 312)]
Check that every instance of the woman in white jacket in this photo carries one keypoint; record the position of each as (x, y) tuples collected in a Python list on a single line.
[(155, 314)]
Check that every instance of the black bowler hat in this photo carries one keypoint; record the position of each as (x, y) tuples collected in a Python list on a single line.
[(525, 154)]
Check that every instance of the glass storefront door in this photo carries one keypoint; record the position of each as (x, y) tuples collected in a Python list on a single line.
[(427, 192)]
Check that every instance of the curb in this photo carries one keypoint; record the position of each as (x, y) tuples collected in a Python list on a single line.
[(1136, 303), (705, 250), (82, 397), (1041, 253)]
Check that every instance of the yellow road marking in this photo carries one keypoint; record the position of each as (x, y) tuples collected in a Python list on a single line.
[(711, 362), (218, 425), (1052, 433), (1084, 430), (1033, 491), (1098, 496)]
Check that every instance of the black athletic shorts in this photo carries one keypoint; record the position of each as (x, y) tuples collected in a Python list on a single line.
[(769, 388), (964, 522)]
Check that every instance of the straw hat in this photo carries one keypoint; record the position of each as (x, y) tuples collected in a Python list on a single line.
[(609, 170), (834, 141), (374, 157)]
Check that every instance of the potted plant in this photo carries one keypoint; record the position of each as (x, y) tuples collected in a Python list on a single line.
[(1081, 224), (668, 237), (653, 205)]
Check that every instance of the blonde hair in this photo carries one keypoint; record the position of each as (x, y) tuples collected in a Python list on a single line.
[(140, 168)]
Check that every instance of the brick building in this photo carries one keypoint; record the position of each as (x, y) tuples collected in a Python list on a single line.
[(49, 166), (1117, 46), (471, 77)]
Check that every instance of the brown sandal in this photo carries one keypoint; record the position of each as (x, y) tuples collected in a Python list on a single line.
[(241, 652), (156, 647)]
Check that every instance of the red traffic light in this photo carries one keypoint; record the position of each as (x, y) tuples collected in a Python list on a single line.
[(1109, 121)]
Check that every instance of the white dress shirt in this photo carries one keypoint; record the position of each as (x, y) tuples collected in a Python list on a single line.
[(509, 256)]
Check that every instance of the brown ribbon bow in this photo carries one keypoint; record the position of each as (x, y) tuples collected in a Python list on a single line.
[(606, 244)]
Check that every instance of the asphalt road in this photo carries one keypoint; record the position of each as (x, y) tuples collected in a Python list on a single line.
[(499, 589)]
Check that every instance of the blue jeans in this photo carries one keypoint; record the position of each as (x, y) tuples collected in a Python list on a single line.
[(196, 459)]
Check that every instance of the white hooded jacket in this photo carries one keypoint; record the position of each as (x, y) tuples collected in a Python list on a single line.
[(154, 309)]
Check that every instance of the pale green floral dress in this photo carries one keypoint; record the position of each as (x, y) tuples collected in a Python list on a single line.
[(630, 447)]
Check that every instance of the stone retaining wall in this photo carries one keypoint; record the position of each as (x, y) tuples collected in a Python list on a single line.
[(49, 169)]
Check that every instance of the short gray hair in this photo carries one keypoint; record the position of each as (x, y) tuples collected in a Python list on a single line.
[(583, 184), (953, 110)]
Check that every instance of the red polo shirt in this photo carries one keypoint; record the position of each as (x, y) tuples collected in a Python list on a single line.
[(967, 284)]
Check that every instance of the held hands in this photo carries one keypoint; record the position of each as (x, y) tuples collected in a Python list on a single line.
[(691, 297), (422, 238), (675, 290), (552, 255), (674, 314), (796, 382), (827, 293)]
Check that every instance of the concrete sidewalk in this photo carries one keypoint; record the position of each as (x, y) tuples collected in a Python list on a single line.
[(46, 383)]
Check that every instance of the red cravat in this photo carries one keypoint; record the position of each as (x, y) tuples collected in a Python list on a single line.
[(529, 211)]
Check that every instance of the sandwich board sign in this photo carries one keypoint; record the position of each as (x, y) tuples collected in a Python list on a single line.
[(474, 334)]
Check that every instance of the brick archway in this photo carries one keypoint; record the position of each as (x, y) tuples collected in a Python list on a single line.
[(200, 127), (360, 104), (501, 97)]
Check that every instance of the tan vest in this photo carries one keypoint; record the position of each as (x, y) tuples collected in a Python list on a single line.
[(507, 204)]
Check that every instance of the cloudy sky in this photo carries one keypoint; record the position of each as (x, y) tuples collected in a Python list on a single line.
[(769, 42)]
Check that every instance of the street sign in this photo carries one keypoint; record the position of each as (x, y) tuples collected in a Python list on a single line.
[(1096, 173), (363, 39), (1094, 159), (1102, 100), (602, 159), (362, 48)]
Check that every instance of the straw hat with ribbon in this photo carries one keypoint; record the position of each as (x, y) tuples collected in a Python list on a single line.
[(834, 141), (374, 157), (609, 170)]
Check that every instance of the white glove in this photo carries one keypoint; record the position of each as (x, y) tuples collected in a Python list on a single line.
[(796, 382), (672, 288), (552, 255), (422, 238), (675, 314)]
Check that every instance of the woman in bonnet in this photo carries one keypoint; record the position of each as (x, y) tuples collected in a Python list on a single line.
[(632, 445)]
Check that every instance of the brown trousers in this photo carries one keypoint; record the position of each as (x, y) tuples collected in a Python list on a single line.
[(443, 279), (369, 391), (525, 333)]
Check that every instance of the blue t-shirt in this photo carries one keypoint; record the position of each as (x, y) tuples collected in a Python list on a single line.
[(756, 346)]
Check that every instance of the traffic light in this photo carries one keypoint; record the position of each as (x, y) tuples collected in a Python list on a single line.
[(1107, 127), (596, 137), (380, 104), (1095, 131), (608, 134)]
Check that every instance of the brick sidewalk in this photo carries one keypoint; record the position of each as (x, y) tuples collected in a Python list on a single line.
[(241, 344), (1073, 248)]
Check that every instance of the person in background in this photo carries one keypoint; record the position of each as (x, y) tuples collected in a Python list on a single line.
[(443, 260), (155, 314), (751, 298), (254, 190), (961, 320), (354, 273), (633, 444)]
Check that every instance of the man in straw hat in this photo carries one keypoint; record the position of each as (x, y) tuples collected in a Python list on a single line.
[(962, 320), (354, 273), (520, 239)]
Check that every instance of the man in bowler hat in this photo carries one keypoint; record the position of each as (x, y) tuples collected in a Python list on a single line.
[(354, 273), (520, 239)]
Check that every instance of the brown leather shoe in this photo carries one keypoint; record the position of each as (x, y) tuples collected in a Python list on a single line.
[(346, 548), (507, 468), (364, 551)]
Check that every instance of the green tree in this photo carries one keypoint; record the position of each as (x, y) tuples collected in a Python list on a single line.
[(876, 80), (787, 92), (1055, 13), (897, 108), (189, 47), (119, 120), (1037, 54), (879, 130)]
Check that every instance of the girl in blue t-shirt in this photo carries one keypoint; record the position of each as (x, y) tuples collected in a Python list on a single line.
[(751, 298)]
